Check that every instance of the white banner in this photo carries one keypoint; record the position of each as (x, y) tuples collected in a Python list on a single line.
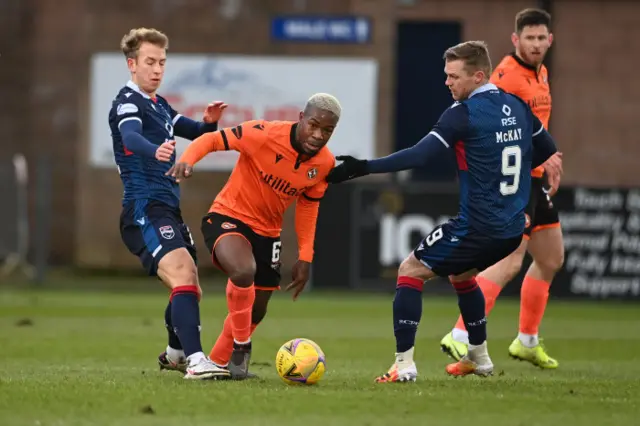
[(271, 88)]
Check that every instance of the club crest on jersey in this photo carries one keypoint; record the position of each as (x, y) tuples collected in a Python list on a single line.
[(169, 128), (167, 232), (312, 172), (228, 225)]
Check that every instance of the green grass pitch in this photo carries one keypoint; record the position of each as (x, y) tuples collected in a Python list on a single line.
[(89, 358)]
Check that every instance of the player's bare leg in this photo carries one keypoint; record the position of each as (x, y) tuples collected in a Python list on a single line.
[(234, 254), (178, 271), (547, 249), (472, 307), (491, 281), (223, 353), (407, 311)]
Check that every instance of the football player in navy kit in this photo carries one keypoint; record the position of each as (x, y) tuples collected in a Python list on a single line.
[(143, 126), (496, 141)]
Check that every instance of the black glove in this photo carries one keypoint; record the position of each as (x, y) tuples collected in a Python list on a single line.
[(350, 168)]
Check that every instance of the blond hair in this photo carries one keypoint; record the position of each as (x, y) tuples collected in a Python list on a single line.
[(324, 102), (131, 42), (474, 54)]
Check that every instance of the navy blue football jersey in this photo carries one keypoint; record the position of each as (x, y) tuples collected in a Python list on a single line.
[(144, 178), (491, 133)]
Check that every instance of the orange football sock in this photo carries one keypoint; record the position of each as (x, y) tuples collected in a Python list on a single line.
[(222, 349), (240, 304), (533, 301), (490, 290)]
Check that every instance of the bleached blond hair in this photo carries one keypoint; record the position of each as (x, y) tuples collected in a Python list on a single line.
[(324, 102)]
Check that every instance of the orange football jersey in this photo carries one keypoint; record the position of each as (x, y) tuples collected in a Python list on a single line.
[(268, 178)]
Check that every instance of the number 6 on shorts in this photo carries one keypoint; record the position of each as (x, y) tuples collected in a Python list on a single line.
[(275, 252)]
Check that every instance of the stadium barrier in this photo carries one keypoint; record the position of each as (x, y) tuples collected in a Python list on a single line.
[(378, 224)]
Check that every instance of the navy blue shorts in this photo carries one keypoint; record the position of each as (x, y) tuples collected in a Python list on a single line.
[(150, 229), (453, 249)]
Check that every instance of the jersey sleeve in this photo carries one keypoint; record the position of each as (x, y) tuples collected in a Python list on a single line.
[(306, 218), (184, 126), (543, 144), (316, 192), (245, 138), (129, 109), (538, 127), (307, 208), (452, 126)]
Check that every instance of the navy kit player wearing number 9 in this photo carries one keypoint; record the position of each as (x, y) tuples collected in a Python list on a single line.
[(496, 140), (492, 135)]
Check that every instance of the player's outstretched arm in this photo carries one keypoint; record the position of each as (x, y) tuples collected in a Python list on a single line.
[(451, 126), (431, 146), (196, 151), (191, 129), (245, 138)]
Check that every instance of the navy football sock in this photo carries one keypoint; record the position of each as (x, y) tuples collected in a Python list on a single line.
[(407, 310), (472, 308), (185, 316), (174, 342)]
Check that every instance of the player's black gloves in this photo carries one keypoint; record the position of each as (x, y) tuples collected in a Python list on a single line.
[(350, 168)]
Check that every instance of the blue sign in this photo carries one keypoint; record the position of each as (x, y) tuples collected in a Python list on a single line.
[(346, 29)]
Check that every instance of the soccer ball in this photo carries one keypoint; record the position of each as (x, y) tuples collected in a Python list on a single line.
[(300, 361)]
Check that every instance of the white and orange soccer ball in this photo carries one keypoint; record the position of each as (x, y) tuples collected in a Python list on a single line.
[(300, 361)]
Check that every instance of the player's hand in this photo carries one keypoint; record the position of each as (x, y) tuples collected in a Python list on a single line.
[(165, 151), (300, 276), (554, 185), (180, 171), (214, 112), (553, 169), (350, 168)]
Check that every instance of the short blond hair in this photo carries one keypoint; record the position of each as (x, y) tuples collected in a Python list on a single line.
[(324, 102), (474, 54), (130, 43)]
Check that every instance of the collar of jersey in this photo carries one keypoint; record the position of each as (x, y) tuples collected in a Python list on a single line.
[(484, 88), (523, 64), (131, 85)]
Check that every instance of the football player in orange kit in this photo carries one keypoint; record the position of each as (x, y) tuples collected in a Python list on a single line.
[(523, 74), (280, 162)]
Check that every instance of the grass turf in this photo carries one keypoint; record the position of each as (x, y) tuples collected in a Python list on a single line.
[(89, 358)]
